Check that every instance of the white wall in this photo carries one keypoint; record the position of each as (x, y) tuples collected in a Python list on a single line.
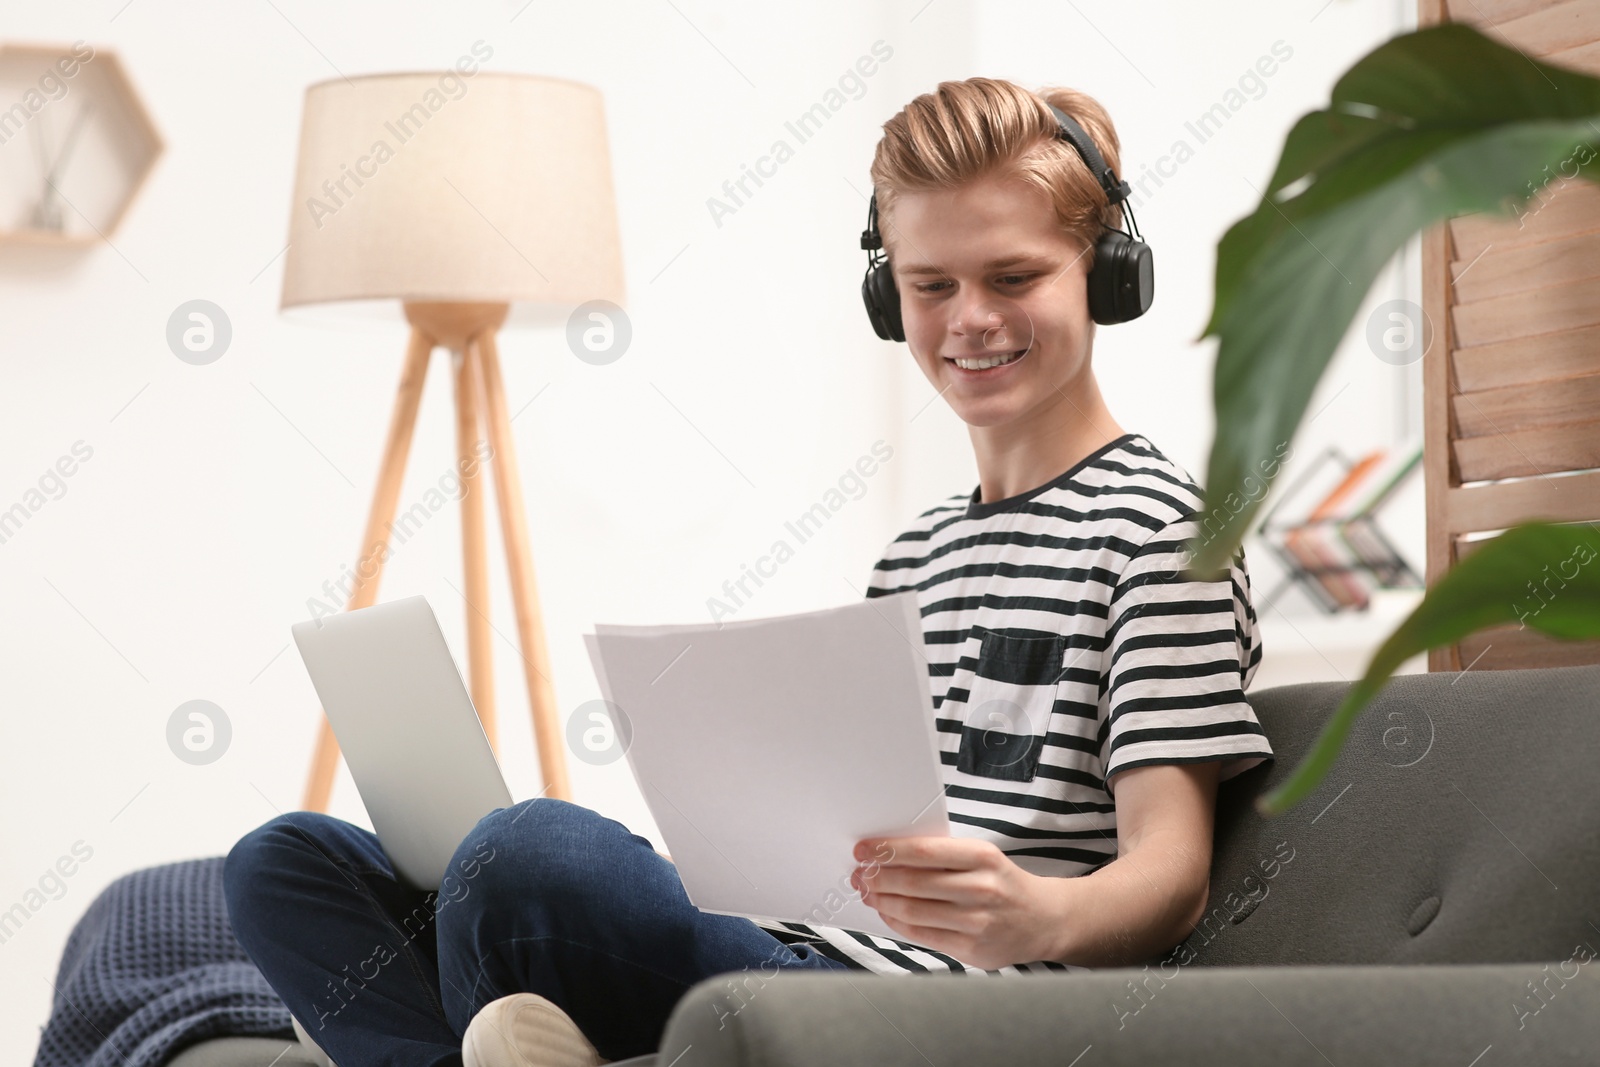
[(218, 499)]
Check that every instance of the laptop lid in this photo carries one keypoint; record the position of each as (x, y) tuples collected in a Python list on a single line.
[(411, 737)]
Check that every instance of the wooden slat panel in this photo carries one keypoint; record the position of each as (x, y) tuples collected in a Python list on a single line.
[(1528, 359), (1514, 648), (1526, 407), (1585, 58), (1526, 453), (1557, 27), (1565, 206), (1436, 458), (1556, 307), (1568, 258), (1515, 301), (1481, 12), (1468, 544), (1438, 466), (1566, 498), (1512, 645), (1465, 547)]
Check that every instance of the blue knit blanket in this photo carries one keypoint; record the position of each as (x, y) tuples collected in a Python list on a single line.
[(152, 968)]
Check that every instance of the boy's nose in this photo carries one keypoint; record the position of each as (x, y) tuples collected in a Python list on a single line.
[(992, 327)]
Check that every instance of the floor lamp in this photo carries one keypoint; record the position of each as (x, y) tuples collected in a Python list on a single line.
[(472, 202)]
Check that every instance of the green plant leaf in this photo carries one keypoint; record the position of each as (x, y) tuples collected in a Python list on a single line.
[(1448, 79), (1544, 575), (1432, 124)]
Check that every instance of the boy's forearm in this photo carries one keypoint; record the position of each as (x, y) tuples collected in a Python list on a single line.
[(1131, 910)]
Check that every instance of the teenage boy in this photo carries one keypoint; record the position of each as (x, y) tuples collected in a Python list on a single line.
[(1089, 693)]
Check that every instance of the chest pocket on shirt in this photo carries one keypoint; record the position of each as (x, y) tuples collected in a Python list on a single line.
[(1009, 701)]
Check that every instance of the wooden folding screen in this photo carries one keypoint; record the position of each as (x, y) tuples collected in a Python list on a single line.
[(1511, 381)]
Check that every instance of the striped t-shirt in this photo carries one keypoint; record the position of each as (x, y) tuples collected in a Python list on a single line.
[(1063, 646)]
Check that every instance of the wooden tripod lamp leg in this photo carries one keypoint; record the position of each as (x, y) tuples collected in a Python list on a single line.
[(547, 732), (374, 550), (475, 562)]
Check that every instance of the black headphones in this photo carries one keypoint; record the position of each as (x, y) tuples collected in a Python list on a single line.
[(1121, 282)]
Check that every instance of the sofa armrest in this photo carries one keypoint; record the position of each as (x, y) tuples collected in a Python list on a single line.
[(1412, 1014)]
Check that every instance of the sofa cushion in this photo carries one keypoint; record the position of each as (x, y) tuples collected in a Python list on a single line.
[(1424, 1016), (1457, 826)]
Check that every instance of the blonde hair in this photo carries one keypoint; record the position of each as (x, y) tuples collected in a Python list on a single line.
[(983, 127)]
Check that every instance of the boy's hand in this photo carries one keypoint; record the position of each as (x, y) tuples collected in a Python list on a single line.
[(961, 896)]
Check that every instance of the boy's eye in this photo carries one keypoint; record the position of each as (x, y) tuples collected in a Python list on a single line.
[(1006, 279)]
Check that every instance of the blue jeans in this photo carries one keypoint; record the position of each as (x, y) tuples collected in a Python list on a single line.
[(543, 897)]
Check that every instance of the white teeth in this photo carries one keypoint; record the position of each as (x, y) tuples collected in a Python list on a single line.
[(986, 362)]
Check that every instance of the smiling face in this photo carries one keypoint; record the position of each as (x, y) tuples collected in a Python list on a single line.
[(994, 300)]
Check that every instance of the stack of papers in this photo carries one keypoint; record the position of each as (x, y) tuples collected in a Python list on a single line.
[(766, 748)]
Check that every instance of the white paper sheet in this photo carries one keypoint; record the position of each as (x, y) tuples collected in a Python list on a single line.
[(766, 748)]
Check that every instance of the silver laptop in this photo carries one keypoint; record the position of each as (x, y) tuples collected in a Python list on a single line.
[(409, 732)]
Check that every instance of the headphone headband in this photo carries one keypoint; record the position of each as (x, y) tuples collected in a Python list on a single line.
[(871, 239), (1078, 137)]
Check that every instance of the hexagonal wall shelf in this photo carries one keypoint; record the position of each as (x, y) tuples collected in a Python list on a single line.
[(76, 144)]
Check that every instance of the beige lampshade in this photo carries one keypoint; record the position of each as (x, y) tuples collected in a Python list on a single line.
[(440, 186)]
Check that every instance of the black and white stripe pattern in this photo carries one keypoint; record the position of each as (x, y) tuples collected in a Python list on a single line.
[(1063, 646)]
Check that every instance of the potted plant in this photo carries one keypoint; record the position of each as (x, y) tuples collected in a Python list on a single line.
[(1435, 123)]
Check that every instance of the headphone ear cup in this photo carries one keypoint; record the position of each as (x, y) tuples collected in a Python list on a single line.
[(874, 315), (1122, 281), (882, 299)]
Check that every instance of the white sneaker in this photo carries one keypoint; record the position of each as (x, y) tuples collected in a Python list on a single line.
[(525, 1030)]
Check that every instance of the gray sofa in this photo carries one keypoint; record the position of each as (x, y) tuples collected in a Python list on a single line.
[(1439, 905), (1434, 902)]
